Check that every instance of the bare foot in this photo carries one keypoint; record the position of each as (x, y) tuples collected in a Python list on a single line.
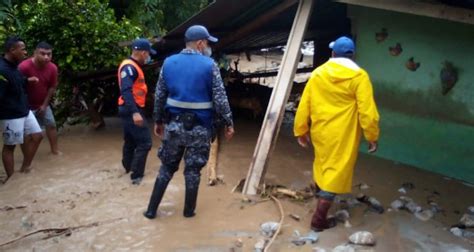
[(25, 169), (4, 179), (56, 153)]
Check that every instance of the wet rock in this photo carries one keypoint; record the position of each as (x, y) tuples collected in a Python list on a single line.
[(435, 208), (468, 234), (402, 190), (373, 203), (408, 186), (459, 232), (406, 199), (342, 215), (260, 245), (424, 215), (397, 204), (267, 229), (362, 238), (362, 186), (471, 209), (467, 220), (347, 202), (298, 242), (310, 238), (413, 207), (343, 248), (456, 231)]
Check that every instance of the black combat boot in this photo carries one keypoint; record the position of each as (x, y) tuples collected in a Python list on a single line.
[(190, 201), (155, 199)]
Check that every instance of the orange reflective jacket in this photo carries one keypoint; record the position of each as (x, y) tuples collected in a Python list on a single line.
[(139, 86)]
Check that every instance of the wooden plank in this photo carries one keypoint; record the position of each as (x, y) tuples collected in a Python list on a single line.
[(274, 115), (255, 24), (440, 11), (211, 166)]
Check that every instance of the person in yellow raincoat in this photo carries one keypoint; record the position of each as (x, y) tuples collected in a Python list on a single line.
[(336, 106)]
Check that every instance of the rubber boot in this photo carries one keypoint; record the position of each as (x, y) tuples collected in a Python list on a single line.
[(190, 201), (320, 222), (155, 199)]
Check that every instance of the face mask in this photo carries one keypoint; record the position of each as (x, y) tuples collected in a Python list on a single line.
[(148, 60), (207, 52)]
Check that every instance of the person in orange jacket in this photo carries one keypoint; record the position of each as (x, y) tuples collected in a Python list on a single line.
[(133, 90), (336, 106)]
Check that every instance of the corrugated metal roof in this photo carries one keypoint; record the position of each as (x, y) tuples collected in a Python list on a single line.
[(224, 17)]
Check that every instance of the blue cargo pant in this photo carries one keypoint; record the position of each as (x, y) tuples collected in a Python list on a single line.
[(137, 144), (192, 145)]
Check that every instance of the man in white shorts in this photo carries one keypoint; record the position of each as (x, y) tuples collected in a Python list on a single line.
[(17, 122)]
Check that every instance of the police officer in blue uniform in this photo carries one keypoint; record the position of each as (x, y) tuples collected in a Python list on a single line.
[(131, 105), (189, 97)]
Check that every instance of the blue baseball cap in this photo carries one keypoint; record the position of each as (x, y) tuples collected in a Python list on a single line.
[(198, 32), (142, 44), (342, 46)]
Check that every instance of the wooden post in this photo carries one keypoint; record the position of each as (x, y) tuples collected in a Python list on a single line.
[(274, 115)]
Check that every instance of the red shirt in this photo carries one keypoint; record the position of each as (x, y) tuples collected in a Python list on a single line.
[(48, 77)]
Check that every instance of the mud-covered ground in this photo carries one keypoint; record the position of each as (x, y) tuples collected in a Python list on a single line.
[(87, 185)]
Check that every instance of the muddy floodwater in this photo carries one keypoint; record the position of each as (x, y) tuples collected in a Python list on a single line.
[(87, 186)]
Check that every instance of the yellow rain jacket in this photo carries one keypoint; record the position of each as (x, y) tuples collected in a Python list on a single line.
[(337, 103)]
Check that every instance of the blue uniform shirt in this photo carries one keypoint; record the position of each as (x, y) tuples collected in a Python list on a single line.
[(128, 75), (221, 108)]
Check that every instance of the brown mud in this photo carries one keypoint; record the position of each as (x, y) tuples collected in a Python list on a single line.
[(87, 184)]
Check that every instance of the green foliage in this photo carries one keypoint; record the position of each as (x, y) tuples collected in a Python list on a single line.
[(85, 36), (158, 16), (148, 14), (8, 21), (178, 11)]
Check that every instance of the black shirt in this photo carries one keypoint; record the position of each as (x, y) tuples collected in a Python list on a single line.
[(13, 99)]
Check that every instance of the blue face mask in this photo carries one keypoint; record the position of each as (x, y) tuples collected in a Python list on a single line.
[(207, 51)]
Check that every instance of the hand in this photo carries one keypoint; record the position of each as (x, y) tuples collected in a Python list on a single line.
[(373, 147), (41, 110), (229, 133), (304, 140), (33, 79), (137, 119), (159, 129)]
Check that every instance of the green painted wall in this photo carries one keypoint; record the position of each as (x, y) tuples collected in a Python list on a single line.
[(419, 125)]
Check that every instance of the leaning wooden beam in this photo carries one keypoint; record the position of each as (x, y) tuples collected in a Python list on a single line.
[(281, 91), (255, 24), (440, 11)]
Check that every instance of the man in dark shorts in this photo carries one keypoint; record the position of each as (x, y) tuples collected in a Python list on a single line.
[(41, 90)]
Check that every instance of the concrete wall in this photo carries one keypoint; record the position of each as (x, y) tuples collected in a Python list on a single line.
[(420, 126)]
